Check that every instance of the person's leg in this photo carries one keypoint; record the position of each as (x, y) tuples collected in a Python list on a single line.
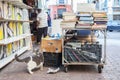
[(39, 34), (45, 31)]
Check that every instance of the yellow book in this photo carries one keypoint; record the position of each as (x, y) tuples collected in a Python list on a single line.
[(1, 32), (21, 43), (9, 49), (20, 33), (11, 27), (14, 29), (18, 14), (18, 28), (13, 12)]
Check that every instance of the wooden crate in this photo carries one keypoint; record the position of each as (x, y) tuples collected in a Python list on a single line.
[(51, 45), (88, 38)]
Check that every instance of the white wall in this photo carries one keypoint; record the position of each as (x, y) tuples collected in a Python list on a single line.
[(75, 3)]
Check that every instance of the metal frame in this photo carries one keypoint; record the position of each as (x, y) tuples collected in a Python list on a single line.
[(103, 59)]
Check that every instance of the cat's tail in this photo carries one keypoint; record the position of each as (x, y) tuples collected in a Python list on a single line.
[(17, 59)]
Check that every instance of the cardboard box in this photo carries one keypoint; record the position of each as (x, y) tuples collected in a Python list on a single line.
[(88, 38), (51, 45)]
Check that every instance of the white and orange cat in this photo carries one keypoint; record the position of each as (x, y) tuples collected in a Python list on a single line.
[(33, 62)]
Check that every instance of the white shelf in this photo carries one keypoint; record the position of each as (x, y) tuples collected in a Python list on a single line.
[(8, 59), (11, 20), (13, 39), (8, 40), (18, 4)]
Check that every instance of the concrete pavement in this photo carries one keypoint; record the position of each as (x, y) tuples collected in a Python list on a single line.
[(111, 71)]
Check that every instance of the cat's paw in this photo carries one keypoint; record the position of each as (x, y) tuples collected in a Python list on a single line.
[(31, 72)]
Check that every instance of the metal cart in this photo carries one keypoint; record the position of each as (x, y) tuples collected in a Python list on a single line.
[(72, 56)]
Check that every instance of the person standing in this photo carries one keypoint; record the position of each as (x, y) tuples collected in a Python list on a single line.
[(42, 25)]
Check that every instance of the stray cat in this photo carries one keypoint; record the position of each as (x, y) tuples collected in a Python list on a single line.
[(33, 62)]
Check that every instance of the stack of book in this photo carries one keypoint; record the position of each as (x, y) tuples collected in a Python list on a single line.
[(100, 20), (68, 16), (69, 20), (85, 20), (82, 53), (67, 24)]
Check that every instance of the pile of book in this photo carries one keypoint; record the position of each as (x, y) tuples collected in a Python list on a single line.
[(69, 20), (69, 16), (88, 20), (85, 20), (100, 20), (67, 24), (83, 53)]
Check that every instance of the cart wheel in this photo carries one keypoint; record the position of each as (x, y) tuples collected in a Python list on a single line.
[(66, 69), (100, 68)]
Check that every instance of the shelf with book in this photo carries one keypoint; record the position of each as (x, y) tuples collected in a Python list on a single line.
[(13, 39), (11, 20), (11, 57), (15, 36), (15, 3)]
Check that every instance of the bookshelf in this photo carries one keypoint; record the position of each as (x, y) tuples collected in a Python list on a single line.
[(15, 36)]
